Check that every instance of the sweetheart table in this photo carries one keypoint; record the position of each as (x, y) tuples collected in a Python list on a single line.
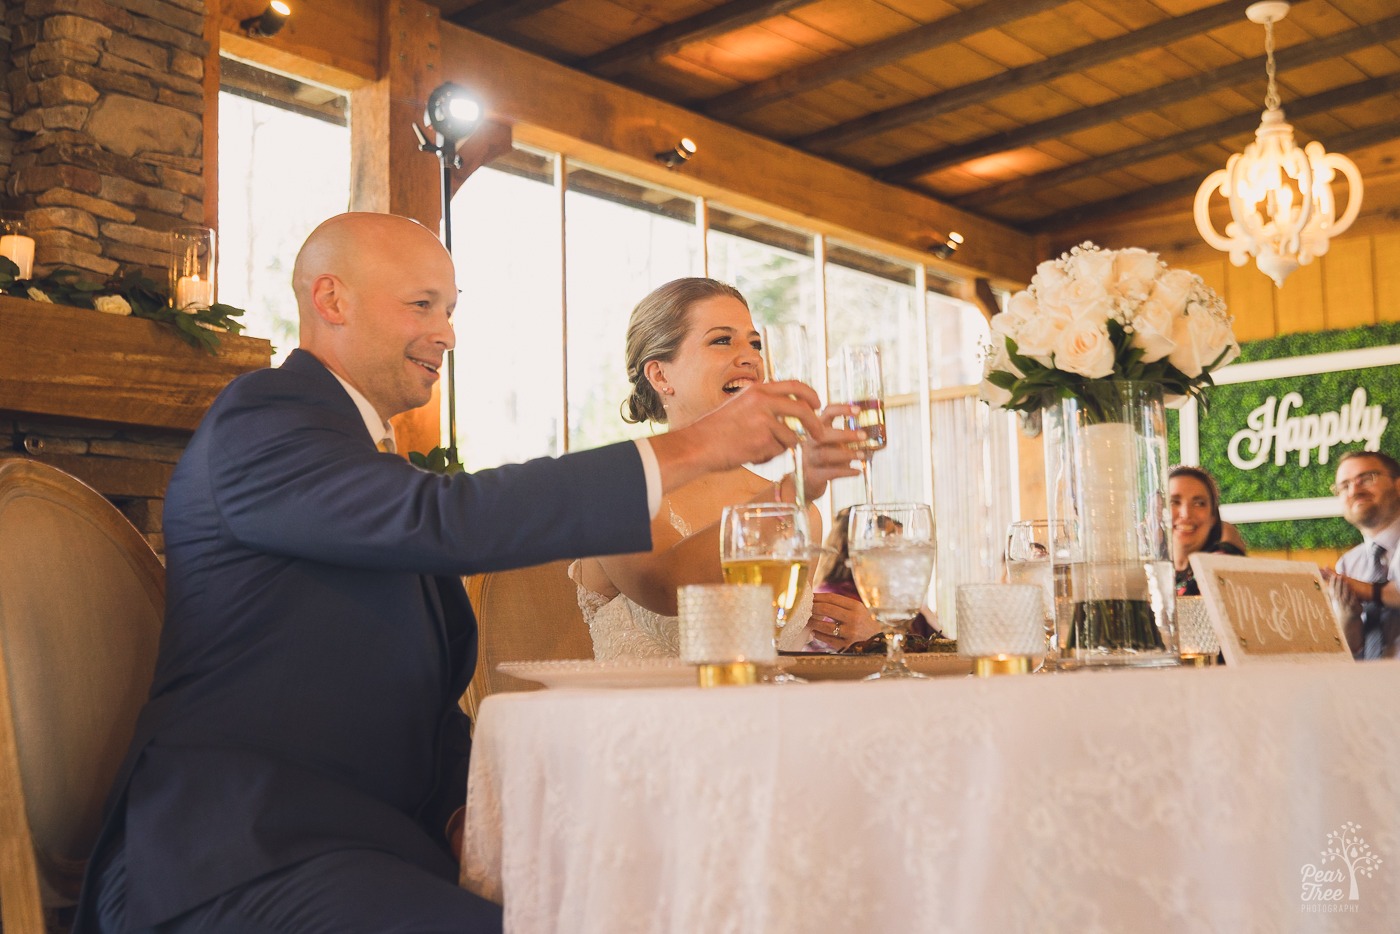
[(950, 805)]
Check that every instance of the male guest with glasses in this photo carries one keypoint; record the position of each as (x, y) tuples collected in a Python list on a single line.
[(1368, 484)]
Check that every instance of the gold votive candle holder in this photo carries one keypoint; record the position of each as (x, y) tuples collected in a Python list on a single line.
[(726, 631), (1195, 632), (1001, 627)]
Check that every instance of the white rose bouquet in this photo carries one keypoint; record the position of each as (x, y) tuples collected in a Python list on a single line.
[(1095, 315)]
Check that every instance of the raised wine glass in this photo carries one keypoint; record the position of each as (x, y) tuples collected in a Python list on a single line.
[(1030, 546), (787, 355), (892, 556), (767, 543), (862, 386)]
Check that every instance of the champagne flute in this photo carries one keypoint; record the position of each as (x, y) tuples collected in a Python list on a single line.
[(862, 386), (892, 556), (786, 356), (767, 543), (1030, 546)]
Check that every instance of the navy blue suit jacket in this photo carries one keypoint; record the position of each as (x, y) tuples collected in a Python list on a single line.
[(317, 636)]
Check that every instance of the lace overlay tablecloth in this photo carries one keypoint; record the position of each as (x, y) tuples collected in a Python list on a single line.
[(1184, 800)]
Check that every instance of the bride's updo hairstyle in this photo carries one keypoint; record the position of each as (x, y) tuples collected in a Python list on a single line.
[(655, 331)]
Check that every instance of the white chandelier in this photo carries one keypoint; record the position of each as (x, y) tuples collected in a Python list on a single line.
[(1281, 205)]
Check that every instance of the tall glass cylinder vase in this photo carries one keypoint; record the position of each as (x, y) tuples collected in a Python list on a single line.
[(1106, 478)]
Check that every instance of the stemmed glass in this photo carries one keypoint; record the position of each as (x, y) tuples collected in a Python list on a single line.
[(767, 543), (862, 386), (786, 355), (892, 556), (1030, 546)]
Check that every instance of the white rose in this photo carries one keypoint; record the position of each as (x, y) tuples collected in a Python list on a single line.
[(1035, 333), (1153, 327), (111, 305), (1174, 289), (993, 395), (38, 295), (1133, 273), (998, 358), (1049, 274), (1201, 336), (1093, 264), (1089, 301), (1084, 347)]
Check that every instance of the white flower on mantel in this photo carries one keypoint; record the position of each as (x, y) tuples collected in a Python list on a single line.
[(1095, 314), (38, 295), (112, 305)]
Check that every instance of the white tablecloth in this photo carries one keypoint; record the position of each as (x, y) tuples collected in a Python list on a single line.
[(1183, 800)]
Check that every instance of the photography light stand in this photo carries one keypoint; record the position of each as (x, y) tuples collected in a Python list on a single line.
[(453, 115)]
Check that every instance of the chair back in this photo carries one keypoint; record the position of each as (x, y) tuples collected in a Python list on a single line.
[(527, 614), (81, 603)]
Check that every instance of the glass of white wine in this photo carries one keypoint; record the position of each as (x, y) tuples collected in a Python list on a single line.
[(862, 386), (767, 543), (892, 557)]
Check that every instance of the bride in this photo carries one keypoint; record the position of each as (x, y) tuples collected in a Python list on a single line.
[(691, 345)]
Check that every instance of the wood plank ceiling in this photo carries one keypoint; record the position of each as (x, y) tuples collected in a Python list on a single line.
[(1036, 113)]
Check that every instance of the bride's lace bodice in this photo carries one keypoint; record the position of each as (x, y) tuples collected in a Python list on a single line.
[(623, 629)]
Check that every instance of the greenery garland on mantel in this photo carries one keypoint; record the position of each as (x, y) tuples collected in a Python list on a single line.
[(128, 292)]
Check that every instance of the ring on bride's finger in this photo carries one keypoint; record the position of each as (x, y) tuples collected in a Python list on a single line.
[(836, 631)]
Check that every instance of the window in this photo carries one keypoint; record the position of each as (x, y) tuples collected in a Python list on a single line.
[(284, 166), (510, 353), (623, 240)]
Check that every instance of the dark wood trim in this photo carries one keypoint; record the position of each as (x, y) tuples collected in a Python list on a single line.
[(1234, 126), (1346, 143), (490, 14), (666, 39), (78, 363), (824, 71), (1008, 82), (1296, 56)]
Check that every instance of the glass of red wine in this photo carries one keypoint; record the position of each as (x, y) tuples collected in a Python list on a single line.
[(862, 386)]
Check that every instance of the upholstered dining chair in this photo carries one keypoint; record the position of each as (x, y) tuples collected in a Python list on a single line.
[(523, 615), (81, 602)]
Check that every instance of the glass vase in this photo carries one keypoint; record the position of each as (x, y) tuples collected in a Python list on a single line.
[(1106, 473)]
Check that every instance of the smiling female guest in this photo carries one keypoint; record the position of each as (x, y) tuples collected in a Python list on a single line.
[(1196, 523), (691, 346)]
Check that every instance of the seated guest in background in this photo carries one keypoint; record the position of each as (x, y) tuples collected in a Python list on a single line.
[(1368, 484), (838, 614), (302, 750), (691, 348), (1196, 523)]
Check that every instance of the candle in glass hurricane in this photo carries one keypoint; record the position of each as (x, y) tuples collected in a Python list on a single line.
[(192, 291), (15, 245)]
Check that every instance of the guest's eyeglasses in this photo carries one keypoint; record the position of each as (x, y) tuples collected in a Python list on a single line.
[(1367, 479)]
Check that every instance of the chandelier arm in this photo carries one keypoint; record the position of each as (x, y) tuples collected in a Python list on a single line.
[(1354, 189), (1204, 225)]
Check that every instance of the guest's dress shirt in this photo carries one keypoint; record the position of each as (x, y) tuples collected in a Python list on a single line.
[(1378, 635)]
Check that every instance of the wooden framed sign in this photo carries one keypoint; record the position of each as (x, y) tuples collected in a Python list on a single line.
[(1269, 611)]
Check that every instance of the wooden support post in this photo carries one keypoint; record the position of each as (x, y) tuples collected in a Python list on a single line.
[(388, 172)]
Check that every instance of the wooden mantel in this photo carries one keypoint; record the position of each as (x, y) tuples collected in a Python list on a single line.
[(81, 364)]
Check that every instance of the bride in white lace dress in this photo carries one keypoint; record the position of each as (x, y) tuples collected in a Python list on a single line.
[(691, 345)]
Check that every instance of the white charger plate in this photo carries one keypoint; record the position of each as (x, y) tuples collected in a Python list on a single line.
[(672, 672)]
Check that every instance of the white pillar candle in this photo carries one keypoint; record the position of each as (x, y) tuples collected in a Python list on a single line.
[(20, 249), (192, 290)]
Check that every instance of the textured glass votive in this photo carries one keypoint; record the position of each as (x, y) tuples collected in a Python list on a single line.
[(726, 629), (192, 268), (1000, 626), (1199, 644)]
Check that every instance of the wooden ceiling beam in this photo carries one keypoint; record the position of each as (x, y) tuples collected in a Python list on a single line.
[(667, 39), (489, 15), (1347, 142), (1296, 56), (824, 71), (1234, 126), (1007, 82)]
